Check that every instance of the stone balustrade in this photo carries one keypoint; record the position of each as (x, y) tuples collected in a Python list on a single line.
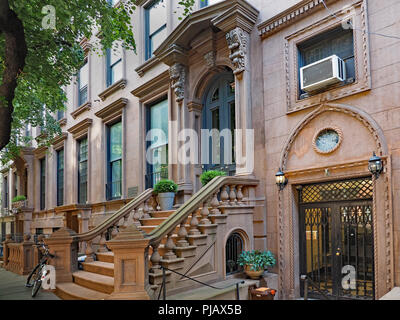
[(19, 257)]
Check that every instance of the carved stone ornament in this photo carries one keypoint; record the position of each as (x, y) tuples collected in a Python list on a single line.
[(210, 59), (237, 43), (177, 74)]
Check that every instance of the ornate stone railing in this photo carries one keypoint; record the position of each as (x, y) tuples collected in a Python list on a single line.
[(229, 190), (18, 257), (136, 209), (65, 243)]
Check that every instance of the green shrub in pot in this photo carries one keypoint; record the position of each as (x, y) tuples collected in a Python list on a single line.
[(166, 189), (256, 261), (207, 176)]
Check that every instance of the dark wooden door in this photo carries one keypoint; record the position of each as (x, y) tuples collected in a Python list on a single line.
[(336, 239)]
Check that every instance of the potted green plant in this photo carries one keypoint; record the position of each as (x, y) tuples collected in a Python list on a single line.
[(166, 189), (255, 262), (18, 202), (207, 176)]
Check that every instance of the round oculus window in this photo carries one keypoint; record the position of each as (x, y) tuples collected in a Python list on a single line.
[(327, 140)]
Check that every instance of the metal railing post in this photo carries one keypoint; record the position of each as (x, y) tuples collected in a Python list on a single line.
[(164, 284), (305, 279)]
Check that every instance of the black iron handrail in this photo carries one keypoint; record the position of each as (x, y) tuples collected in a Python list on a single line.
[(164, 288), (307, 280)]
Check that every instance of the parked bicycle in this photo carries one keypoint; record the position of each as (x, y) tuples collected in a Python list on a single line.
[(37, 275)]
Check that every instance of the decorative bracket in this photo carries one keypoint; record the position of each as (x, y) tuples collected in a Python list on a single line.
[(237, 43), (177, 74)]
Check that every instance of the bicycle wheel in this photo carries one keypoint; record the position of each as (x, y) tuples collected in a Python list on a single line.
[(31, 277), (37, 282)]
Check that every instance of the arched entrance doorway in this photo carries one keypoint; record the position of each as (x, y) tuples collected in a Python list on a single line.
[(219, 119)]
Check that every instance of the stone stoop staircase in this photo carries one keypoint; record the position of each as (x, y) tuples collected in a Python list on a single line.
[(188, 241), (96, 280)]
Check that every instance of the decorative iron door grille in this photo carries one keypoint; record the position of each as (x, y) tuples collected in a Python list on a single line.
[(336, 238)]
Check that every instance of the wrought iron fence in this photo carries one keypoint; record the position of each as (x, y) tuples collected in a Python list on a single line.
[(154, 177)]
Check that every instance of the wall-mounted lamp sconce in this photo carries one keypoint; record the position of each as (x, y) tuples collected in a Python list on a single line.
[(281, 180), (375, 165)]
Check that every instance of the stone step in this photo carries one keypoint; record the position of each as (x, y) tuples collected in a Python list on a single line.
[(152, 221), (73, 291), (148, 229), (162, 214), (93, 281), (105, 256), (99, 267)]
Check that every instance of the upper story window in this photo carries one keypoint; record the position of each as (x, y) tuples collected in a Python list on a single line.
[(82, 170), (114, 161), (337, 41), (114, 64), (5, 186), (83, 81), (206, 3), (42, 183), (113, 2), (60, 177), (157, 143), (156, 26)]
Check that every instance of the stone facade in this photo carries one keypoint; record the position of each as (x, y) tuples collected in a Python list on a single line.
[(257, 42)]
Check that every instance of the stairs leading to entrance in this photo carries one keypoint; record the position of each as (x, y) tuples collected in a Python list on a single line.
[(96, 280)]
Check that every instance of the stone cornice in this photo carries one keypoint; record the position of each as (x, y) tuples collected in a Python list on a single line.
[(234, 13), (58, 142), (153, 87), (290, 16), (40, 152), (113, 110), (85, 107), (80, 128), (240, 15), (141, 70), (86, 46), (62, 122), (119, 85)]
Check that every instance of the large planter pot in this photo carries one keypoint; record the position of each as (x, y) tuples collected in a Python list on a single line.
[(253, 274), (166, 200), (18, 204)]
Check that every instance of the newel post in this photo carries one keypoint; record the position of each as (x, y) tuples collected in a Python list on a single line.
[(131, 278), (64, 245), (6, 249), (27, 258)]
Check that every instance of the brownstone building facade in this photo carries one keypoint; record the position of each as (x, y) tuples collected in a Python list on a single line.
[(240, 63)]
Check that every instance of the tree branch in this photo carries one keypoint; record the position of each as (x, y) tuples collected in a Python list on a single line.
[(15, 53)]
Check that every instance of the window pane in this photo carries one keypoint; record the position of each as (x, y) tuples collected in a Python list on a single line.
[(83, 95), (83, 76), (159, 120), (157, 16), (116, 141), (60, 177), (116, 175), (115, 53), (157, 38), (116, 72)]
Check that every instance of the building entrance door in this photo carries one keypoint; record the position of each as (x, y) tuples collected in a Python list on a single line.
[(336, 239), (219, 117)]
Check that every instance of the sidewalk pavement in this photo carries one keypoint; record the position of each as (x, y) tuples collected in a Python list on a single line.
[(12, 287)]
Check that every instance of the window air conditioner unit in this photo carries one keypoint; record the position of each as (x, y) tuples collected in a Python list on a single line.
[(322, 73)]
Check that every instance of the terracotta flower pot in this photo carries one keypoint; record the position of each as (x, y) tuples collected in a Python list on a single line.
[(253, 274)]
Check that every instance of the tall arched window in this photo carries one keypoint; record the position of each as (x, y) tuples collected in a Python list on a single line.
[(234, 246)]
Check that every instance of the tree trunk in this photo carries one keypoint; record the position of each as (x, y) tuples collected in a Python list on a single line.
[(11, 28)]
